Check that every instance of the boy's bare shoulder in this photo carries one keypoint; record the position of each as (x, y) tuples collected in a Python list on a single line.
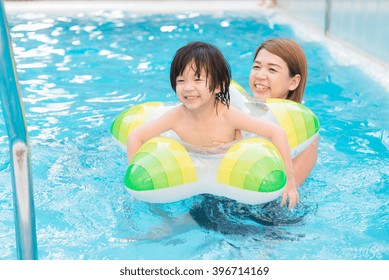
[(237, 117), (174, 113), (172, 110), (232, 112)]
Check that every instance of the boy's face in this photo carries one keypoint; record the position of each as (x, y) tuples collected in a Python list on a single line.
[(192, 90)]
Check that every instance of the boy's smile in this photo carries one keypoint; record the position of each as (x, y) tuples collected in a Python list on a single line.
[(192, 90)]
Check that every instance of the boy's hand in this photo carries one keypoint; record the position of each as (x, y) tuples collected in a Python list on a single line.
[(290, 193)]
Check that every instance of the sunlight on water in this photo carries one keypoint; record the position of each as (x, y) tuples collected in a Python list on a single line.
[(78, 73)]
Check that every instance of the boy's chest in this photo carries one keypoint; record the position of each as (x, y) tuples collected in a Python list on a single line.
[(206, 134)]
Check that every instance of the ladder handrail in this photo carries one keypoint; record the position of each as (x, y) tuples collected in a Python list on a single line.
[(13, 111)]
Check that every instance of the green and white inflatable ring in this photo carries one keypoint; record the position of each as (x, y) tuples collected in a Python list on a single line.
[(250, 171)]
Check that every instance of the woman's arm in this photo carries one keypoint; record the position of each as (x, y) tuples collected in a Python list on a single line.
[(304, 162)]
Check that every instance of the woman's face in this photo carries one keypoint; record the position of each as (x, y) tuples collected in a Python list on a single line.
[(269, 77)]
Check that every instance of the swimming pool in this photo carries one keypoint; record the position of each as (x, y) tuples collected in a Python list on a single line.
[(78, 72)]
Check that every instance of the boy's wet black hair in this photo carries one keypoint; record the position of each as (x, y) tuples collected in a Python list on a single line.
[(208, 57)]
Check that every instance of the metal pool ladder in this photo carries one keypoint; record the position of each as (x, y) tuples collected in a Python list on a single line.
[(12, 105)]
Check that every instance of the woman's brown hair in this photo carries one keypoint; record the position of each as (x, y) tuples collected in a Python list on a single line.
[(293, 55)]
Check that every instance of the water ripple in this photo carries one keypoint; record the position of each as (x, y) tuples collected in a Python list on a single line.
[(77, 73)]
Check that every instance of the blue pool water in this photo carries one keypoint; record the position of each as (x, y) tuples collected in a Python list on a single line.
[(77, 73)]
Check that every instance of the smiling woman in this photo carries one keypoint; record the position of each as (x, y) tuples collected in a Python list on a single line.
[(279, 70)]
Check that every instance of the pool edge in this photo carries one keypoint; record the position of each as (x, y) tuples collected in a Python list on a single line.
[(135, 6)]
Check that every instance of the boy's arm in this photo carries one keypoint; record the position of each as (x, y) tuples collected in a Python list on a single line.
[(280, 140), (149, 130), (277, 135)]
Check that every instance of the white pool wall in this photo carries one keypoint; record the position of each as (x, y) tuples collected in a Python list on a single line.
[(361, 24), (135, 6)]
